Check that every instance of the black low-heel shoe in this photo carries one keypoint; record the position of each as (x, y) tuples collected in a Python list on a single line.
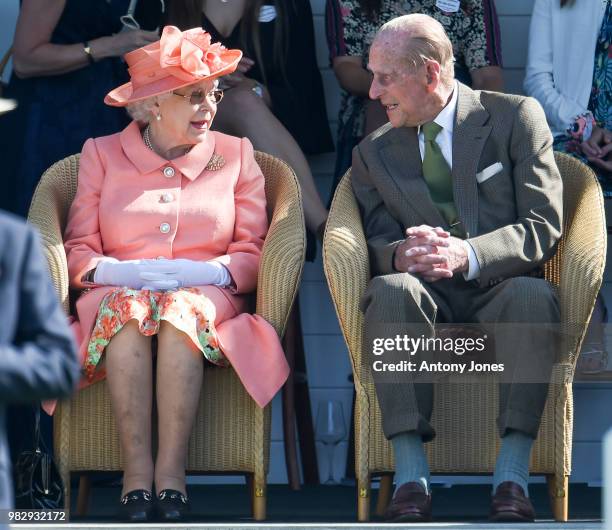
[(137, 506), (172, 505)]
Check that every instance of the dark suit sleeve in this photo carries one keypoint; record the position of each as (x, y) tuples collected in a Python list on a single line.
[(383, 233), (517, 248), (41, 362)]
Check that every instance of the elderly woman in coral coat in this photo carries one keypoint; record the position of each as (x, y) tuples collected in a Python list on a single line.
[(164, 237)]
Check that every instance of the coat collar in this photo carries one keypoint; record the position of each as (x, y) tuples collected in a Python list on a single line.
[(469, 138), (402, 161), (192, 164)]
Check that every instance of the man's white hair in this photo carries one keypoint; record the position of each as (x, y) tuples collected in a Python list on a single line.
[(422, 38)]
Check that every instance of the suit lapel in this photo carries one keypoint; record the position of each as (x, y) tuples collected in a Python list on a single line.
[(402, 160), (469, 137)]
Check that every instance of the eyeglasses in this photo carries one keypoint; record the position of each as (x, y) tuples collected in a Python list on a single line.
[(198, 97)]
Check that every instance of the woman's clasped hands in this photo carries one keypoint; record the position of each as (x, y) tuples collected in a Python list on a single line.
[(598, 148), (160, 274)]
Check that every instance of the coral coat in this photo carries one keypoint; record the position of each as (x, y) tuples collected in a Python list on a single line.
[(133, 204)]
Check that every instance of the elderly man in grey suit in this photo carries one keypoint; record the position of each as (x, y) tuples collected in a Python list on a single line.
[(461, 203), (37, 354)]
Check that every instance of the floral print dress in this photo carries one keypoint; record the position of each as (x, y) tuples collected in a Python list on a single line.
[(186, 309)]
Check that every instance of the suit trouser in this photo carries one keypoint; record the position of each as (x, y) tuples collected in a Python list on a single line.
[(523, 314)]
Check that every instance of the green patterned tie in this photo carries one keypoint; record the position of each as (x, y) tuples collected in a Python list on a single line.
[(438, 175)]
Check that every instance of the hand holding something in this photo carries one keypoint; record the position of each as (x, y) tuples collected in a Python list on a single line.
[(124, 42)]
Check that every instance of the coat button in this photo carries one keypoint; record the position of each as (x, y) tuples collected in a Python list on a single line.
[(169, 172), (164, 228), (167, 197)]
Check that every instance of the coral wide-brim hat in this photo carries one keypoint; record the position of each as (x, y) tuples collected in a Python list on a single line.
[(178, 59)]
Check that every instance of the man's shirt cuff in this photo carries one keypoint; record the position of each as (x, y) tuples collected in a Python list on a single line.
[(473, 271)]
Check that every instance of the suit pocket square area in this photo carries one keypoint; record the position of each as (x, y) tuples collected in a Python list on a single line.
[(489, 172)]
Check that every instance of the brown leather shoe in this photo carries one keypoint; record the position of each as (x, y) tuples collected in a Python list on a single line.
[(509, 504), (409, 504)]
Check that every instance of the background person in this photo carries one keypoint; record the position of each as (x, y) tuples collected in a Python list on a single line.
[(351, 26), (571, 78), (165, 236), (66, 57), (276, 97)]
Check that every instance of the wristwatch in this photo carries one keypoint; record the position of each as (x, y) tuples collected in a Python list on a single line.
[(89, 276)]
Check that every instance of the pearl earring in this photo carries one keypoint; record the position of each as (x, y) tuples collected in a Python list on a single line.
[(158, 117)]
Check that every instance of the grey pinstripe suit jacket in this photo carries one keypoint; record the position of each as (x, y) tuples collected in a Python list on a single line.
[(512, 219)]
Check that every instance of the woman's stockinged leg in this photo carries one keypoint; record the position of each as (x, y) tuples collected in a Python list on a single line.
[(179, 381), (242, 113), (130, 382)]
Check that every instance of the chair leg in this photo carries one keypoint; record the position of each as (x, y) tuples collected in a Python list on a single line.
[(83, 495), (259, 505), (384, 494), (288, 400), (303, 410), (258, 496), (363, 499), (67, 492), (559, 497)]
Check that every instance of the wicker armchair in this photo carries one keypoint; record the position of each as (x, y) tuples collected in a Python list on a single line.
[(231, 433), (464, 413)]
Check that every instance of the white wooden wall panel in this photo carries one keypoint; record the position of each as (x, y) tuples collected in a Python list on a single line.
[(8, 17), (514, 7), (515, 31)]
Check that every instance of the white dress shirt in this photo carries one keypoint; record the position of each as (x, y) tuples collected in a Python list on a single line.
[(446, 120)]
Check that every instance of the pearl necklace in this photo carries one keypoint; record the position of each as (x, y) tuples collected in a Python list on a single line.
[(215, 163), (146, 137)]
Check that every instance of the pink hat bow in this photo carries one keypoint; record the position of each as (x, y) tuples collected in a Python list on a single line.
[(189, 53)]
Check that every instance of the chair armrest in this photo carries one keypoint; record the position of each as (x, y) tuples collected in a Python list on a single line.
[(48, 212), (347, 269), (282, 258), (580, 260)]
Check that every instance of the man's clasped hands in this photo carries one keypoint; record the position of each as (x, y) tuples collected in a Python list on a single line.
[(431, 253), (160, 274)]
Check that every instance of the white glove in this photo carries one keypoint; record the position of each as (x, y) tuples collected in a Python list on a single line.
[(191, 273), (156, 281), (135, 273)]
